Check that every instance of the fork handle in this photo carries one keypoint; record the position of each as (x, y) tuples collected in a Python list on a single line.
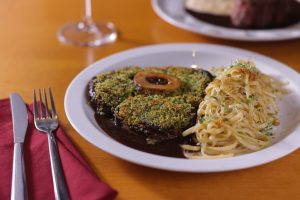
[(60, 188)]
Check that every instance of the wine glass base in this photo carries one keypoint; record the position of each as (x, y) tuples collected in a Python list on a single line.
[(87, 33)]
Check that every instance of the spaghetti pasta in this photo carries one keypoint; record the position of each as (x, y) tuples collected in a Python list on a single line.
[(237, 113)]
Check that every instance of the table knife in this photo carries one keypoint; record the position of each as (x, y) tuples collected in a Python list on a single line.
[(20, 124)]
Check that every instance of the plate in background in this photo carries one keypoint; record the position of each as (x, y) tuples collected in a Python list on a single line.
[(172, 11)]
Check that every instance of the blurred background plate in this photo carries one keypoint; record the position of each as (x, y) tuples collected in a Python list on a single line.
[(173, 12)]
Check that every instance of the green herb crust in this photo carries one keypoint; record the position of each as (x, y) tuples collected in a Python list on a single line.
[(112, 88), (157, 111)]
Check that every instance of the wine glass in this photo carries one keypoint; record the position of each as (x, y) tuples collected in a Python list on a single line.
[(87, 32)]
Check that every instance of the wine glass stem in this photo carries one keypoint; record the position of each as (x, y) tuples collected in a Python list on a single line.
[(88, 9)]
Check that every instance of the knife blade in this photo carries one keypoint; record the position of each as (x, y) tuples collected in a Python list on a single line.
[(20, 124)]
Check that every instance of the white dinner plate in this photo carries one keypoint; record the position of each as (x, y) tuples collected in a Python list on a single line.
[(173, 12), (81, 116)]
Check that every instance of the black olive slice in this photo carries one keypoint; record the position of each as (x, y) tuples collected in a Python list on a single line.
[(156, 82)]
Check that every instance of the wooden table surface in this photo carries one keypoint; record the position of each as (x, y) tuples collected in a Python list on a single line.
[(31, 57)]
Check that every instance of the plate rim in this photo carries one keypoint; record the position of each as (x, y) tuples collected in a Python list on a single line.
[(222, 32), (169, 163)]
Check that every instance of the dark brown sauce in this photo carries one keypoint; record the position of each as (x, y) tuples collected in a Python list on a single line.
[(157, 80), (133, 139), (138, 141)]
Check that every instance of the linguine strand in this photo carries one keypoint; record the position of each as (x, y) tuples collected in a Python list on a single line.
[(237, 113)]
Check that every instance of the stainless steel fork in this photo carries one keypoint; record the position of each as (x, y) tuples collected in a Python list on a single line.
[(47, 122)]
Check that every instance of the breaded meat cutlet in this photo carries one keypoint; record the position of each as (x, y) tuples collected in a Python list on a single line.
[(108, 90), (158, 117)]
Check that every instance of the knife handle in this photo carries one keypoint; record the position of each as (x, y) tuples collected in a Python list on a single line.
[(60, 187), (19, 188)]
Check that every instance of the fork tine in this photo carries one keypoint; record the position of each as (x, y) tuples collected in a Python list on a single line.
[(41, 106), (52, 104), (35, 109), (46, 104)]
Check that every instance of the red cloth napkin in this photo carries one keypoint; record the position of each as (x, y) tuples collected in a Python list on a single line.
[(81, 181)]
